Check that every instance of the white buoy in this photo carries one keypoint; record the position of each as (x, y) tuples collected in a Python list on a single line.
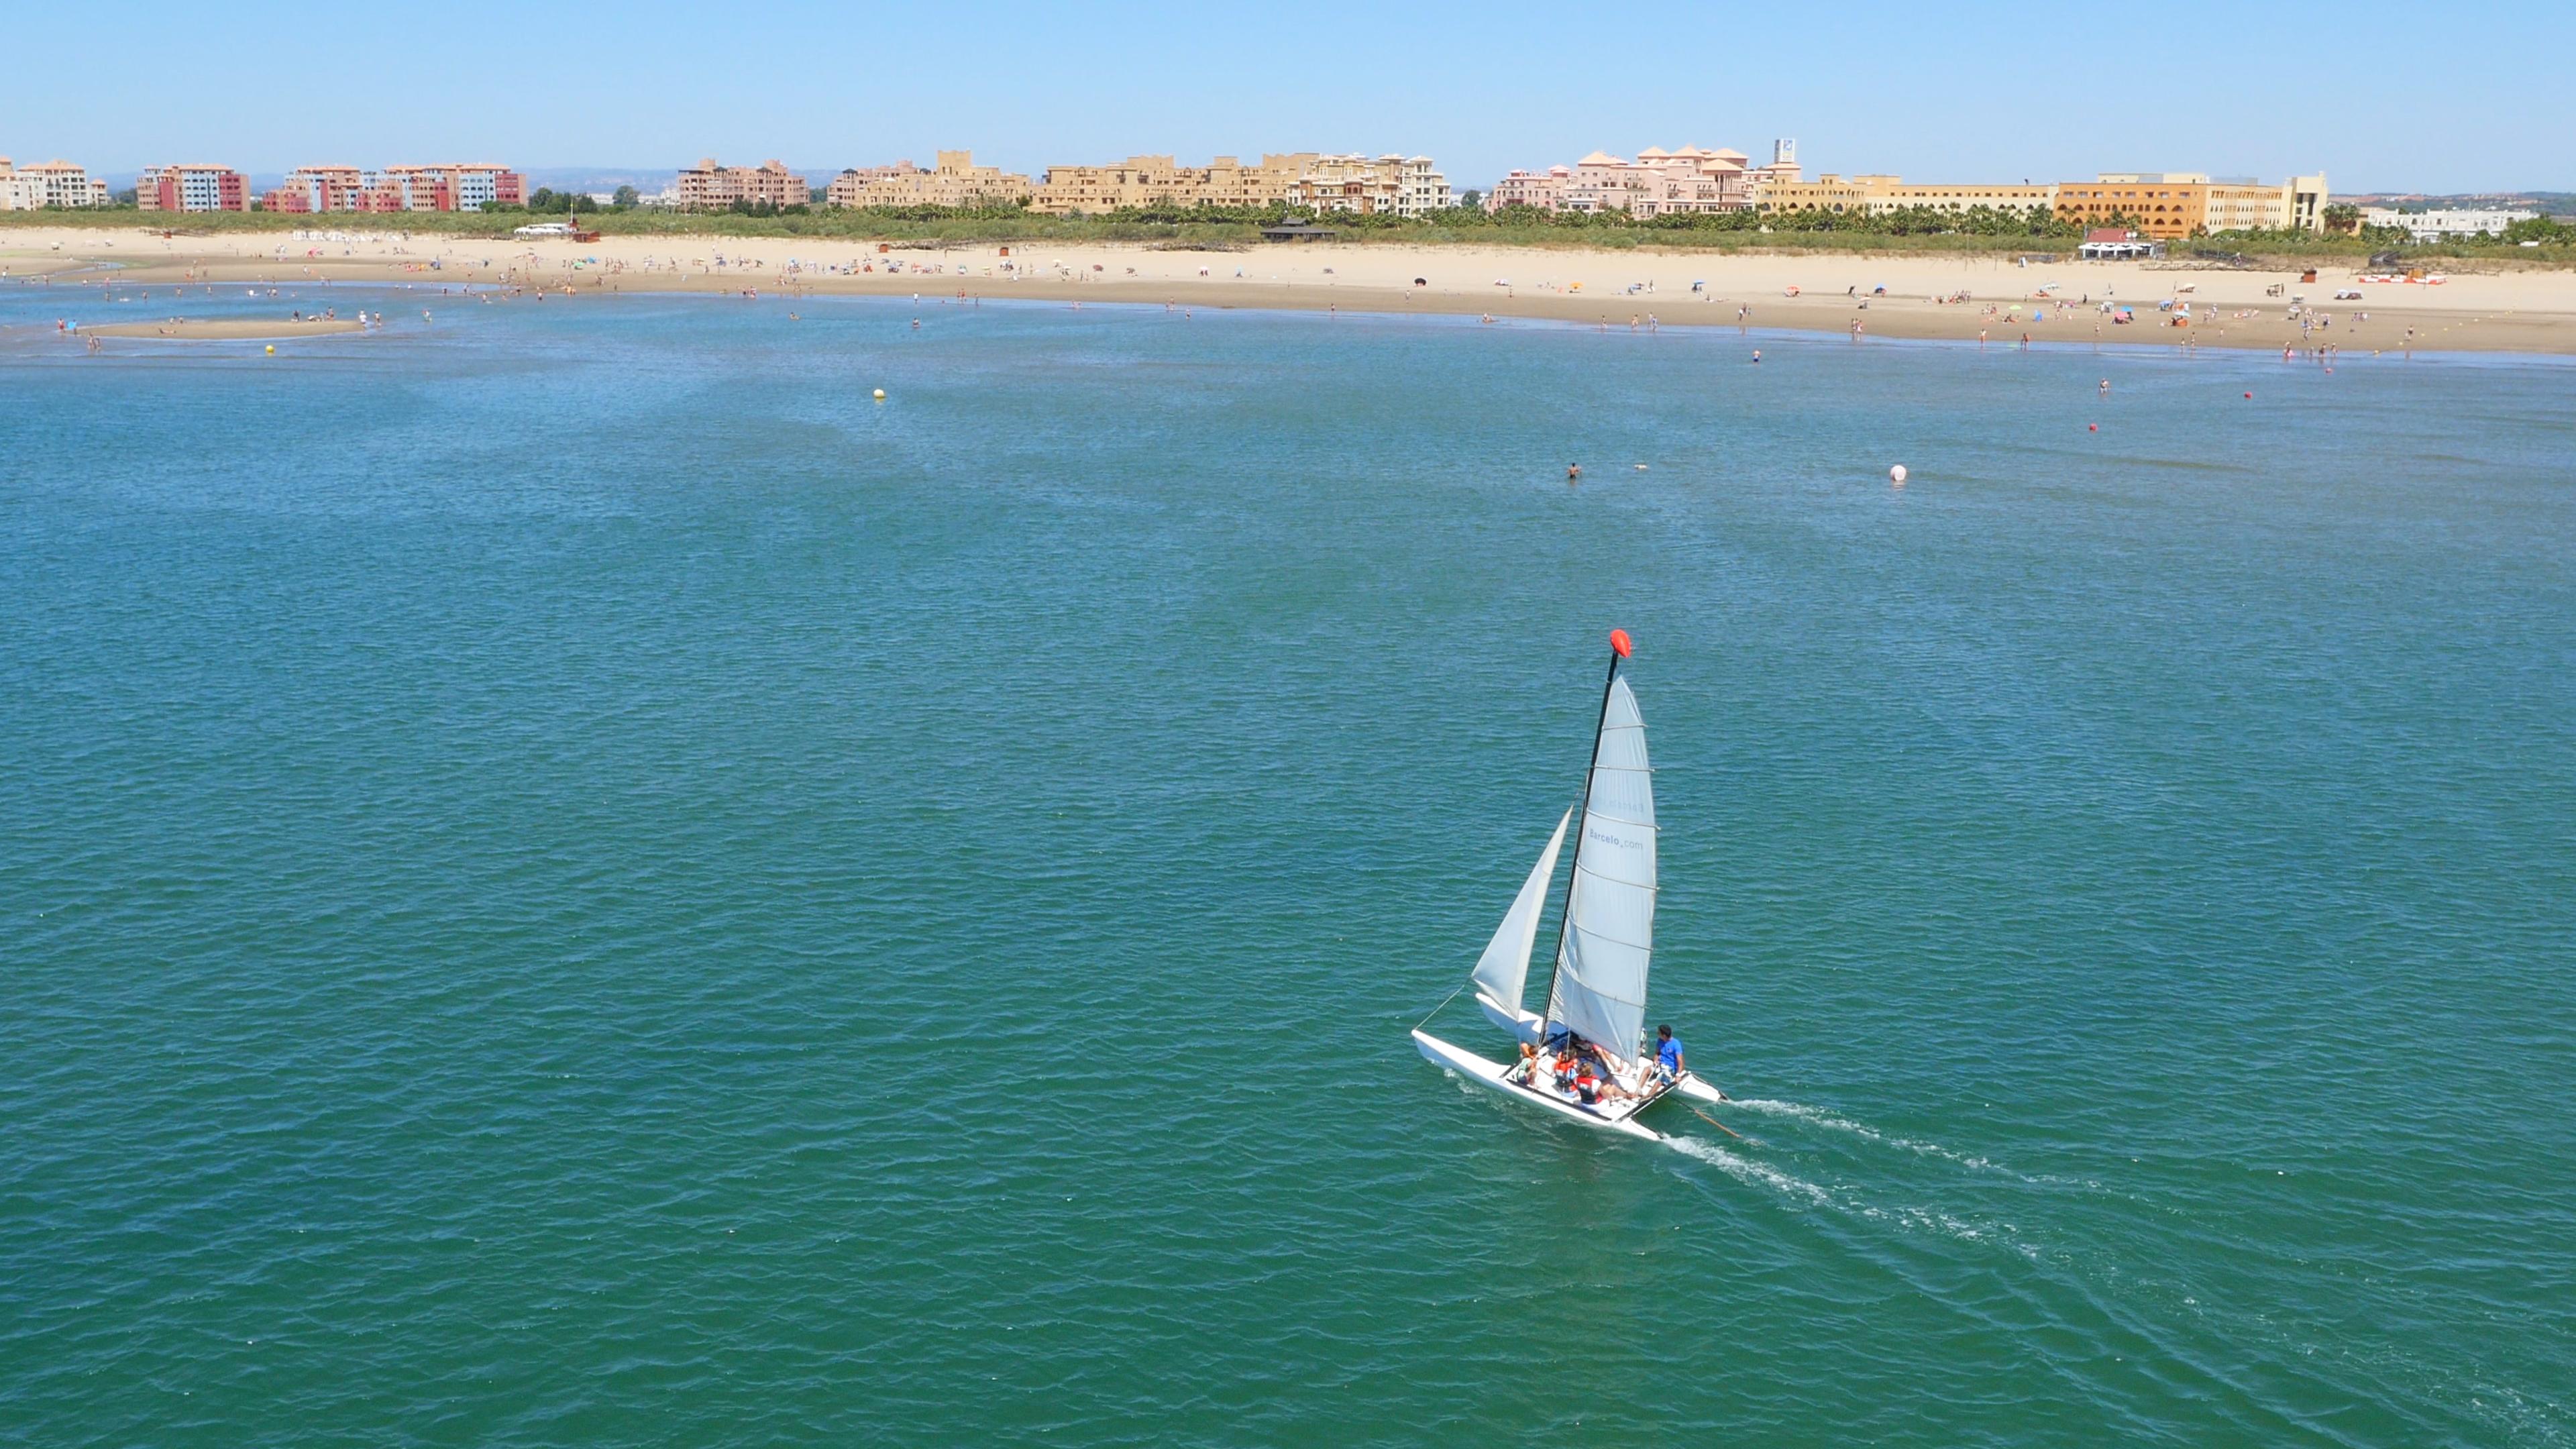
[(1896, 474), (880, 394)]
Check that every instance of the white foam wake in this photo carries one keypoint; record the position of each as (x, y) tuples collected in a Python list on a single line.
[(1745, 1169), (1818, 1116)]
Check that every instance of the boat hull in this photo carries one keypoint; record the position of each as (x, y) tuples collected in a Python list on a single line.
[(1491, 1075)]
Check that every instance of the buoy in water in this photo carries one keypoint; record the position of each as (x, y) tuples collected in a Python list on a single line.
[(880, 394), (1896, 474), (2092, 427), (2249, 397)]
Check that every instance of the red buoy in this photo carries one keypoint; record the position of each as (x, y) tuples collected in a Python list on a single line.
[(2092, 427), (2249, 396), (1619, 642)]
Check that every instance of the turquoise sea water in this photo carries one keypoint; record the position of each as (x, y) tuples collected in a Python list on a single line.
[(567, 878)]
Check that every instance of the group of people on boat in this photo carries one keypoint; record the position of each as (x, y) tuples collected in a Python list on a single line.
[(1570, 1066)]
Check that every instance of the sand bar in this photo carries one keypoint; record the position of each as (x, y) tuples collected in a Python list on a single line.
[(222, 329)]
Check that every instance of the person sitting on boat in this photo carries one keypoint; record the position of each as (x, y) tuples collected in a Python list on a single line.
[(1669, 1064), (1534, 1070), (1561, 1071)]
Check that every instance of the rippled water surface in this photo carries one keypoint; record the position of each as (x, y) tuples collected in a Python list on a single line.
[(567, 877)]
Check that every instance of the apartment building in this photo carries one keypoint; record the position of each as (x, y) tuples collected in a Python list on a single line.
[(1657, 183), (49, 183), (1878, 195), (1389, 185), (1538, 190), (309, 189), (192, 187), (955, 181), (708, 186), (1162, 181), (446, 187), (2170, 205), (455, 186), (2428, 226)]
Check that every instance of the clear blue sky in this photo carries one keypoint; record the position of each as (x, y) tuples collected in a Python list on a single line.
[(2378, 94)]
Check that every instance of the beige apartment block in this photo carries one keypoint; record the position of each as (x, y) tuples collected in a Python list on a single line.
[(955, 181), (1161, 181), (708, 186), (1879, 194), (49, 183), (1389, 185)]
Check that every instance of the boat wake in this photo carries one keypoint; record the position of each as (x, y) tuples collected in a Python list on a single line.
[(1819, 1117), (1746, 1170), (1865, 1202)]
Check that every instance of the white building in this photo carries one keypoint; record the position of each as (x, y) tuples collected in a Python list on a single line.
[(49, 183), (2426, 226)]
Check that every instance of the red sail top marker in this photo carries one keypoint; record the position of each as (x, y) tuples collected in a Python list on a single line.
[(1619, 642)]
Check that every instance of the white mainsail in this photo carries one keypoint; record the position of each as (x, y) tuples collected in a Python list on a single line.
[(1504, 968), (1609, 932)]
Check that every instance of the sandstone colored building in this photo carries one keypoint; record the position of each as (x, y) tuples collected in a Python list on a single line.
[(49, 183), (955, 181), (2171, 205), (710, 187), (1388, 185), (1161, 181), (1880, 195)]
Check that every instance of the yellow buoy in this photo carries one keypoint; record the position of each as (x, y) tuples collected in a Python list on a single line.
[(272, 349), (880, 394)]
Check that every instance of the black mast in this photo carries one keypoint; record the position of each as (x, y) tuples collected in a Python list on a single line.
[(1565, 917)]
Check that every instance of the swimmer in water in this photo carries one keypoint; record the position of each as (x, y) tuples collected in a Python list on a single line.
[(1573, 472), (1757, 354)]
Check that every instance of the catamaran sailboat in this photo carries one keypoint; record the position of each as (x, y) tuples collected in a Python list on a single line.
[(1596, 996)]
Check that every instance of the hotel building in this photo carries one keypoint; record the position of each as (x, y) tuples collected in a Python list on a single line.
[(1880, 195), (2170, 205), (708, 186), (1657, 183), (49, 183), (1160, 181), (192, 188), (955, 181)]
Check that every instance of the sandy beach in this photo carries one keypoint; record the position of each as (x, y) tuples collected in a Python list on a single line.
[(1997, 299)]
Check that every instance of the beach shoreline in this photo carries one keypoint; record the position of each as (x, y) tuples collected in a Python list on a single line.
[(1997, 300)]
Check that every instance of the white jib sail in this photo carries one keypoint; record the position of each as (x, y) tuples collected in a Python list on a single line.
[(1610, 917), (1504, 968)]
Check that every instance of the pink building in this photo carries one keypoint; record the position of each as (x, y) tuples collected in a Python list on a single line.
[(1541, 189), (1657, 183)]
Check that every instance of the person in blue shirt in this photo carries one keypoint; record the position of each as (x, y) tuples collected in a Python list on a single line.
[(1669, 1063)]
